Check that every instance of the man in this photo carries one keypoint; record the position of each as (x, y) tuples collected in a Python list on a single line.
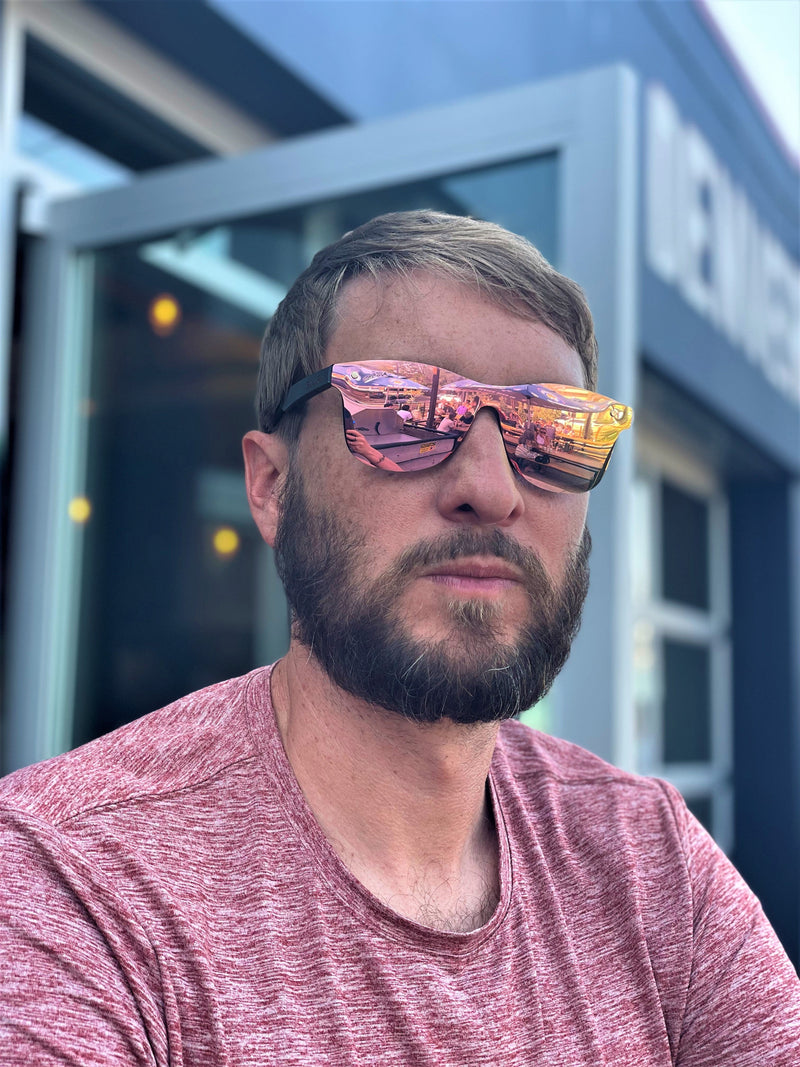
[(448, 422), (358, 856)]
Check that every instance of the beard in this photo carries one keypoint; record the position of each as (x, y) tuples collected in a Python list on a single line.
[(350, 623)]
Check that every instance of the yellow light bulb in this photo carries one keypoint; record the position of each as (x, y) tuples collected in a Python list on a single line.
[(164, 314), (79, 509), (226, 541)]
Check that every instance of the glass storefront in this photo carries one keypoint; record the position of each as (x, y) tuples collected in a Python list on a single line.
[(178, 590)]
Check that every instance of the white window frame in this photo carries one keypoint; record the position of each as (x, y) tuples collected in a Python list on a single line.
[(663, 458)]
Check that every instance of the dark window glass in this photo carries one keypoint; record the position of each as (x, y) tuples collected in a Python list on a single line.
[(684, 536), (687, 700), (701, 808)]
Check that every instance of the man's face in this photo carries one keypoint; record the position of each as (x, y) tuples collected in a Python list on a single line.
[(453, 592)]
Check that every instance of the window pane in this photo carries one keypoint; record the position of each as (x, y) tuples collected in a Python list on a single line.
[(684, 537), (44, 144), (687, 700)]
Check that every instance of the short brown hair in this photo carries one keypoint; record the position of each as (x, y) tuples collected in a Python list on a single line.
[(502, 266)]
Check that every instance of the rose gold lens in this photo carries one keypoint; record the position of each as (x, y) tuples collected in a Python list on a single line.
[(557, 469), (406, 416)]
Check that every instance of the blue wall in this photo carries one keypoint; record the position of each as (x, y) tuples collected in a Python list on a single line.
[(389, 56)]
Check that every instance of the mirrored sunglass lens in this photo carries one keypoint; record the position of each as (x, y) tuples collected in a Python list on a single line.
[(405, 416)]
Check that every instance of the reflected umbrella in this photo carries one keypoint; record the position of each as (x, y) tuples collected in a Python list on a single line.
[(361, 378), (542, 394)]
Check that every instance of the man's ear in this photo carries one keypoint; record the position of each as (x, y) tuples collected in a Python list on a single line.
[(266, 458)]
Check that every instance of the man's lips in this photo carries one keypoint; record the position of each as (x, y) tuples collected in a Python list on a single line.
[(474, 576)]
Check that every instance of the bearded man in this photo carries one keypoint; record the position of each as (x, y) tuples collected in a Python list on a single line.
[(358, 855)]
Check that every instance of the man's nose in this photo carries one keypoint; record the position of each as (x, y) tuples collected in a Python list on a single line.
[(477, 485)]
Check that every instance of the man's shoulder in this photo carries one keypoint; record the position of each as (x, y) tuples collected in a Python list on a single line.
[(571, 795), (531, 754), (163, 752)]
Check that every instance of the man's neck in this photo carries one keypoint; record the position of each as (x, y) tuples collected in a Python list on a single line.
[(403, 804)]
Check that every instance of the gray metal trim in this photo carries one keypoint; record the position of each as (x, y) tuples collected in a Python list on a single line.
[(472, 133), (593, 696), (11, 79), (45, 546)]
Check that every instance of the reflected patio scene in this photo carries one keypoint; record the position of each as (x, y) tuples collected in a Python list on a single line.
[(407, 416)]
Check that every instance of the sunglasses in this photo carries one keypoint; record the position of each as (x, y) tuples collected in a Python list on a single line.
[(405, 416)]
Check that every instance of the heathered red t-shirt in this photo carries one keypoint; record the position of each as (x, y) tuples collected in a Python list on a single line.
[(167, 897)]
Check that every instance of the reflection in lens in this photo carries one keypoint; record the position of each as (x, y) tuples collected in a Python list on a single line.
[(557, 437)]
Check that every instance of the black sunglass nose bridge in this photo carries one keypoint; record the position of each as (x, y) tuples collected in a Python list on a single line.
[(490, 409)]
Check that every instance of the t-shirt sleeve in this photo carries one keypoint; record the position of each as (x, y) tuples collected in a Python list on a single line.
[(72, 960), (743, 998)]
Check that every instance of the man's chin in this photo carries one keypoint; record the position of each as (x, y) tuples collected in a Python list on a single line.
[(468, 664), (473, 680), (461, 619)]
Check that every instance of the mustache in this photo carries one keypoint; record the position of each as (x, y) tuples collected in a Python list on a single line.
[(473, 542)]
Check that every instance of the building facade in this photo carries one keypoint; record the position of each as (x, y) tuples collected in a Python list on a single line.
[(167, 170)]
